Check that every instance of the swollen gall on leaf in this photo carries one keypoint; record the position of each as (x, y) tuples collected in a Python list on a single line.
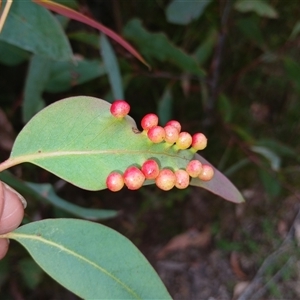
[(199, 141), (166, 179), (134, 178), (114, 182), (182, 179), (207, 173), (149, 121), (150, 169), (156, 134), (194, 168), (120, 109), (171, 133), (184, 140), (175, 124)]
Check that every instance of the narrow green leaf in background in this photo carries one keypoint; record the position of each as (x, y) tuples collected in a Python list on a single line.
[(183, 12), (91, 260), (37, 77), (46, 194), (165, 105), (158, 46), (205, 49), (66, 74), (267, 153), (270, 183), (33, 28), (250, 28), (11, 55), (88, 38), (112, 67), (261, 8), (293, 71)]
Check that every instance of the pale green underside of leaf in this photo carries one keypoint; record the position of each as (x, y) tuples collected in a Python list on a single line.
[(91, 260), (80, 141)]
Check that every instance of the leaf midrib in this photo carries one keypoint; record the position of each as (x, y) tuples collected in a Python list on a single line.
[(37, 156)]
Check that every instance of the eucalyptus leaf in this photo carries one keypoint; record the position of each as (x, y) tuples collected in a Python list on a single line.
[(261, 8), (112, 67), (91, 260), (158, 46), (33, 28), (11, 55), (183, 12), (219, 185), (80, 141), (66, 74), (37, 77), (165, 105)]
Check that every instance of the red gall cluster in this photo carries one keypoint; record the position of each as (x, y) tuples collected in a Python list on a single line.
[(170, 134), (165, 179)]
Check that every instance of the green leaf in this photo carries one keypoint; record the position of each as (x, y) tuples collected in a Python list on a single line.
[(219, 184), (225, 108), (158, 46), (250, 27), (295, 31), (165, 105), (205, 49), (112, 67), (272, 157), (11, 55), (33, 28), (261, 8), (183, 12), (46, 194), (37, 77), (293, 71), (64, 75), (271, 184), (88, 38), (80, 141), (91, 260), (278, 147)]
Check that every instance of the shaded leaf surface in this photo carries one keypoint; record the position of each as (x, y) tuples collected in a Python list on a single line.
[(65, 75), (33, 28), (262, 8), (91, 260), (11, 55), (38, 74), (74, 15), (80, 141), (158, 46), (183, 12), (112, 67)]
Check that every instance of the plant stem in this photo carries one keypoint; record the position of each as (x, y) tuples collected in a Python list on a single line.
[(8, 164)]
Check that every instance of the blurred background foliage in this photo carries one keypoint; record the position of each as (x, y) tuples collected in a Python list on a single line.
[(230, 69)]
